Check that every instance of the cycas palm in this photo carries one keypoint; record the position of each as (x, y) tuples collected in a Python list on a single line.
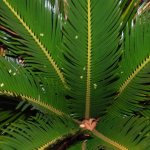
[(67, 71)]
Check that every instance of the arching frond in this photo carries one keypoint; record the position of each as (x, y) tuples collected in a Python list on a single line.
[(91, 54), (17, 82), (39, 41), (134, 85), (39, 132)]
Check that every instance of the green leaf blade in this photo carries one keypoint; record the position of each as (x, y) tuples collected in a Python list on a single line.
[(91, 47), (134, 71), (41, 34)]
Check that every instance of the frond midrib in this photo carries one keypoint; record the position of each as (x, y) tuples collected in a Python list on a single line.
[(109, 141), (38, 42), (89, 53)]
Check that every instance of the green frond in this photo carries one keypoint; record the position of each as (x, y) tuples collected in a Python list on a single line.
[(128, 132), (91, 54), (134, 71), (67, 59), (17, 82), (39, 38), (38, 132)]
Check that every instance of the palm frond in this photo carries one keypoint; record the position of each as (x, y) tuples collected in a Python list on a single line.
[(39, 35), (25, 135), (91, 55), (17, 82), (134, 85), (99, 51), (126, 133)]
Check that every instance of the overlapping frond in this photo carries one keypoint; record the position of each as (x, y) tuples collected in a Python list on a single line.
[(134, 85), (9, 113), (9, 116), (91, 54), (39, 41), (38, 132)]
